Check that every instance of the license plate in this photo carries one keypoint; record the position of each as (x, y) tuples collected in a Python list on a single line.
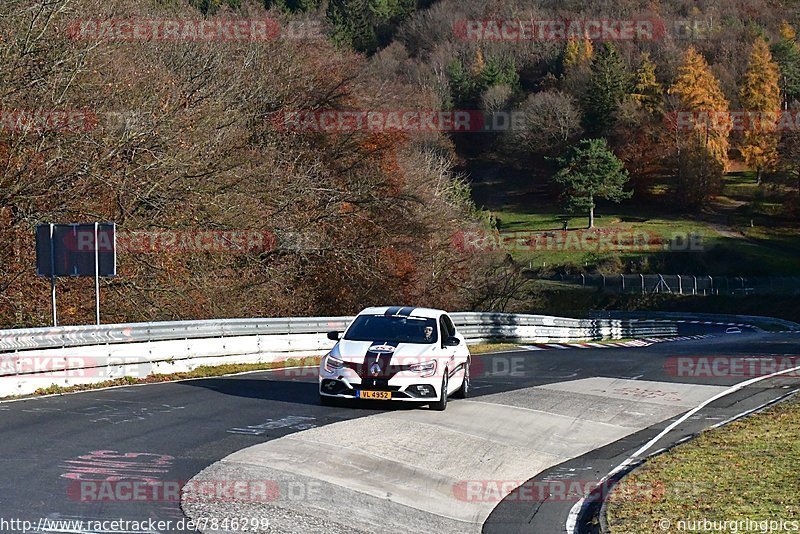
[(375, 395)]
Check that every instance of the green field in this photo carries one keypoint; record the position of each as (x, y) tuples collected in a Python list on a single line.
[(743, 237)]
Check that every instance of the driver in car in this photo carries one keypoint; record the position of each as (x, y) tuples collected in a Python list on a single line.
[(428, 333)]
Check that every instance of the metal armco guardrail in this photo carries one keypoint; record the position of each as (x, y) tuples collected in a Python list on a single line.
[(77, 336), (757, 321), (36, 358)]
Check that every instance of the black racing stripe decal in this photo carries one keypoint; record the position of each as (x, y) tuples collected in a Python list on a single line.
[(377, 367), (393, 311), (405, 312), (456, 370)]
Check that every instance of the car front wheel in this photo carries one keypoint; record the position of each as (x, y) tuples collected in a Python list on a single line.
[(463, 391), (441, 404)]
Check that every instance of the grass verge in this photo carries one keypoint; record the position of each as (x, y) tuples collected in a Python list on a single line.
[(486, 348), (204, 371), (747, 470)]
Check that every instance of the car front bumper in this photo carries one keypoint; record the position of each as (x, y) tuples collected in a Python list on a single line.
[(409, 387)]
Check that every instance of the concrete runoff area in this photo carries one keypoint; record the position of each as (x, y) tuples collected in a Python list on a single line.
[(406, 470)]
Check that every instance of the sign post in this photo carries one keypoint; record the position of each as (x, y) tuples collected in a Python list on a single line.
[(76, 250), (97, 273), (53, 278)]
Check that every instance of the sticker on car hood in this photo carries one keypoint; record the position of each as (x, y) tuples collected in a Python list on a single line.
[(382, 349)]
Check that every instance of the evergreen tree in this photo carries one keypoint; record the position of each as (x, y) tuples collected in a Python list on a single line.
[(786, 54), (365, 25), (608, 86), (293, 6), (589, 172), (467, 85), (498, 72), (462, 84)]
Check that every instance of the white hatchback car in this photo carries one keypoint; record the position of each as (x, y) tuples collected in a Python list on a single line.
[(397, 353)]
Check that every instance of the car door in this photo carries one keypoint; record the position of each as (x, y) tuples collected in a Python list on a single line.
[(448, 353)]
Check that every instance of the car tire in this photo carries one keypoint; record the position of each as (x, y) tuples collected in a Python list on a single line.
[(463, 391), (441, 404)]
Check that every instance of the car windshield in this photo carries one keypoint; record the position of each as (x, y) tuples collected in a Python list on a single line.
[(380, 328)]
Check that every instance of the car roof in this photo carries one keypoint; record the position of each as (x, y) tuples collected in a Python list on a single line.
[(403, 311)]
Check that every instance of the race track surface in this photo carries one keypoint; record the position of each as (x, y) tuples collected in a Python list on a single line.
[(533, 415)]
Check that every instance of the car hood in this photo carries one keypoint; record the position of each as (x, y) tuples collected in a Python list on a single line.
[(356, 351)]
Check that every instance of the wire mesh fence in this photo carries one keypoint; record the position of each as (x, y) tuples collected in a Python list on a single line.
[(685, 284)]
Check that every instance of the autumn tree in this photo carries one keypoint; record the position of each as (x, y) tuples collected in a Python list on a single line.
[(638, 134), (647, 92), (189, 139), (552, 120), (591, 171), (577, 52), (760, 96), (701, 130), (576, 61)]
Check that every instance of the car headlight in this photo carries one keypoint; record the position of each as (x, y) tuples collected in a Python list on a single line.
[(333, 364), (425, 369)]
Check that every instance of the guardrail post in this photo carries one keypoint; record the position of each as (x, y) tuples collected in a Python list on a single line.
[(711, 279), (680, 285)]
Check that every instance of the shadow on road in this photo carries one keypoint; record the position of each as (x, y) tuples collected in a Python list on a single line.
[(290, 391)]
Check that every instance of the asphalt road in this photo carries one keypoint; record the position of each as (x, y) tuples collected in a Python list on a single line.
[(56, 452)]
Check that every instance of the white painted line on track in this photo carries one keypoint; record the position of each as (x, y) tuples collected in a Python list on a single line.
[(507, 436), (572, 519)]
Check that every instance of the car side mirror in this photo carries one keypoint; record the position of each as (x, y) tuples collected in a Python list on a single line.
[(334, 336), (452, 341)]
